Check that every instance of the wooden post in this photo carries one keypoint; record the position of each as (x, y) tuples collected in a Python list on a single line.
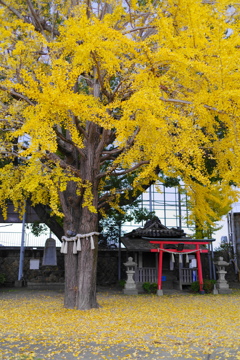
[(199, 265)]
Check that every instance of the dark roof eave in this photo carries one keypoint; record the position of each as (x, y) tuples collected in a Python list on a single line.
[(186, 240)]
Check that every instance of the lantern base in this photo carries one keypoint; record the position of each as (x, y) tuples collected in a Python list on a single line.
[(224, 291), (130, 291)]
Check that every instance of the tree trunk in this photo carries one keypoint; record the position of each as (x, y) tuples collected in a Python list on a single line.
[(87, 264), (81, 268), (70, 264)]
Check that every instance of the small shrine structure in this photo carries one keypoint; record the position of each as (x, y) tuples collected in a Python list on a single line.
[(177, 248)]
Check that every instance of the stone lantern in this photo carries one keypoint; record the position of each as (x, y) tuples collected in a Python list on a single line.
[(130, 287), (222, 285)]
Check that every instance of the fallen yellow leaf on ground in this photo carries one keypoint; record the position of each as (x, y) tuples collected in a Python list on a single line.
[(143, 326)]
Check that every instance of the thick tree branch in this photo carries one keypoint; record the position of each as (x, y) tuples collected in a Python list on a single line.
[(110, 155), (56, 159), (132, 195), (130, 142), (44, 214), (65, 208), (67, 145)]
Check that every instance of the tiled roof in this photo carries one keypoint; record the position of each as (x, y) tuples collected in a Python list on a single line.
[(153, 229), (134, 244)]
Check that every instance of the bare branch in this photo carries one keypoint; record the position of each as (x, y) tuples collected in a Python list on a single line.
[(11, 154), (117, 88), (110, 155), (41, 23), (104, 140), (88, 8), (15, 94), (105, 92), (107, 9), (79, 127), (112, 170), (140, 28), (14, 11), (36, 18), (185, 102), (141, 163), (8, 122), (112, 152), (149, 33)]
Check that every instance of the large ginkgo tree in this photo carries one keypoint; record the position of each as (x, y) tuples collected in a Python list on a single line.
[(96, 91)]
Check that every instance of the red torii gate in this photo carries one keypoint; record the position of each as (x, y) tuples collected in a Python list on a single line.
[(180, 242)]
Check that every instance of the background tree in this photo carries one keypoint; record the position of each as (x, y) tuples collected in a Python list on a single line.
[(108, 88), (110, 226)]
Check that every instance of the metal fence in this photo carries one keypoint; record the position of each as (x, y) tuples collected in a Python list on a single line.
[(15, 238)]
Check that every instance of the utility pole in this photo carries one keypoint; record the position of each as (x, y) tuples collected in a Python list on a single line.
[(119, 250), (21, 260)]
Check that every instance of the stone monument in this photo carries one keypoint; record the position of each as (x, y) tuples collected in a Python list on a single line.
[(222, 285), (50, 254), (130, 287)]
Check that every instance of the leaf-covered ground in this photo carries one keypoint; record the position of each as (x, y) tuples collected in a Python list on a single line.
[(124, 327)]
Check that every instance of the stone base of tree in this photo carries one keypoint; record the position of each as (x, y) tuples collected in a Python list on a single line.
[(45, 286)]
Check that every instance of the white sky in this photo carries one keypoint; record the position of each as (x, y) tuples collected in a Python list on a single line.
[(16, 229), (12, 232)]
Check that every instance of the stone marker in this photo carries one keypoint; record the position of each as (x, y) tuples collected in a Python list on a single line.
[(50, 255)]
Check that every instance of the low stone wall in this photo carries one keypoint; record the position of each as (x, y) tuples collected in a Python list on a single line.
[(9, 265), (107, 270)]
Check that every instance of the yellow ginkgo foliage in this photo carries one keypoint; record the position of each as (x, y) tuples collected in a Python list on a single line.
[(102, 90)]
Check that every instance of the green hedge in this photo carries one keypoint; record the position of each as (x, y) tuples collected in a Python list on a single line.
[(150, 288), (2, 278), (208, 286)]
